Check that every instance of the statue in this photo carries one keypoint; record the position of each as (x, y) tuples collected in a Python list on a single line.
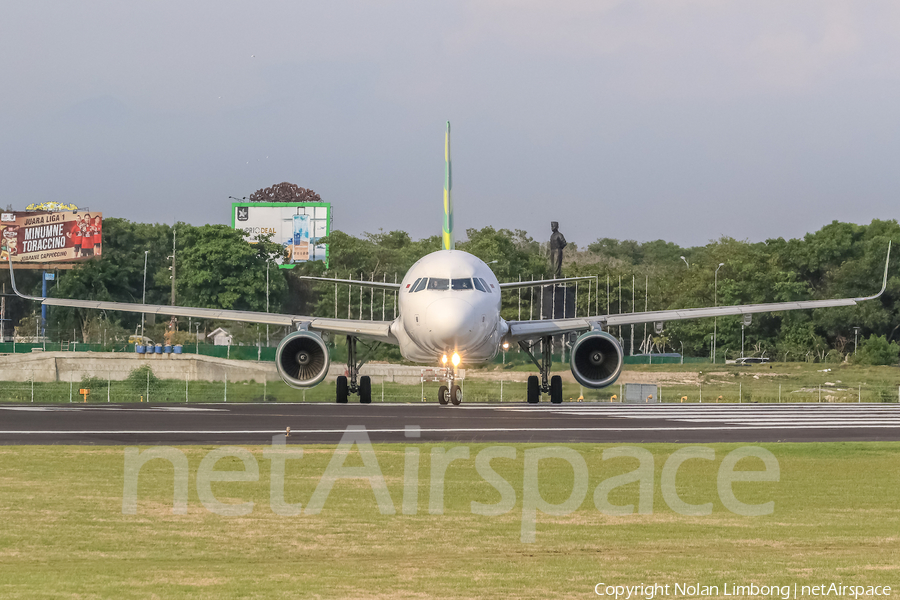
[(557, 243)]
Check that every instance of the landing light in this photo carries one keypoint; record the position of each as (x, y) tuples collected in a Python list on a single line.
[(505, 345), (455, 359), (444, 359)]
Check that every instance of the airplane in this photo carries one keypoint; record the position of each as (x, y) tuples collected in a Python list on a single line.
[(449, 314)]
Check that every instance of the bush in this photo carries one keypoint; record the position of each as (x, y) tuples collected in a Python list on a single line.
[(834, 356), (876, 350), (138, 380), (94, 383)]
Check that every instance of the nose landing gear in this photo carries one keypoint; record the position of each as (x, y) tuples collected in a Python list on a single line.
[(452, 393), (456, 395)]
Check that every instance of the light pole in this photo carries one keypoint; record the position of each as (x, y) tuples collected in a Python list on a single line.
[(716, 319), (267, 301), (144, 292), (855, 338), (682, 351), (686, 262), (172, 268), (742, 340)]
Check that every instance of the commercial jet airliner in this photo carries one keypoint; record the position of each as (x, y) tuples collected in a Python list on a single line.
[(449, 314)]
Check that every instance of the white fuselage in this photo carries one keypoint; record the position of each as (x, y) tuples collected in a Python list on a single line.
[(449, 302)]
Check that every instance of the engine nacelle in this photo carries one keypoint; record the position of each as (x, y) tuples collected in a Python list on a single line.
[(302, 359), (596, 359)]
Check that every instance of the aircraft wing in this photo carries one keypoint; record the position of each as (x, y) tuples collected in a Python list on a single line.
[(178, 311), (523, 330), (539, 282), (380, 285), (370, 330)]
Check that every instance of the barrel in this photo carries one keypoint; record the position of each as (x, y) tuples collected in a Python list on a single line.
[(139, 348), (159, 348), (178, 349), (167, 349)]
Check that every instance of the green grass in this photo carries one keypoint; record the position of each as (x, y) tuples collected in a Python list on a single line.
[(776, 382), (248, 391), (836, 518)]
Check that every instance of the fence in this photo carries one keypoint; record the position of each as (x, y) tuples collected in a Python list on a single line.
[(267, 353), (664, 360), (146, 388), (264, 353)]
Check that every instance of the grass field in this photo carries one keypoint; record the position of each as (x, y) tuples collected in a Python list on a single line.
[(836, 518)]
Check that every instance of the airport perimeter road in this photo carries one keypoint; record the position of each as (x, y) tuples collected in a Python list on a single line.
[(324, 423)]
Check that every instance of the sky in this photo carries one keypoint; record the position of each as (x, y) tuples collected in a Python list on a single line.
[(683, 120)]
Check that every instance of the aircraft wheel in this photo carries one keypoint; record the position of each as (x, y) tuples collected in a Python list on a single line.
[(456, 395), (534, 390), (556, 389), (443, 395), (342, 390), (365, 390)]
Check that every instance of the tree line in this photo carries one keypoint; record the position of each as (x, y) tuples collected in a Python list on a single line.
[(217, 268)]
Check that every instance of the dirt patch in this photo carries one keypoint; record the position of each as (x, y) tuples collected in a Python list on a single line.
[(667, 377), (626, 376)]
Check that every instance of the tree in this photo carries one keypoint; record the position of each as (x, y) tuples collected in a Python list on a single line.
[(117, 276), (877, 350), (218, 268), (285, 192)]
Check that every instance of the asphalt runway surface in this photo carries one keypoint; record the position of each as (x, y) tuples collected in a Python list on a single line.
[(314, 423)]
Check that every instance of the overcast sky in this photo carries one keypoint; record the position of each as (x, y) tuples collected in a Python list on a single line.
[(682, 120)]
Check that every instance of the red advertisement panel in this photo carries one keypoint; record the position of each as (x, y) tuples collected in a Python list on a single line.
[(43, 237)]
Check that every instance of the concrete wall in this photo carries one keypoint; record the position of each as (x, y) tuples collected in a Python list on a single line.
[(73, 366)]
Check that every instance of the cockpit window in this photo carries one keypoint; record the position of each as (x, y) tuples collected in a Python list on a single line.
[(412, 286), (487, 288), (478, 285), (461, 284), (421, 285), (438, 284)]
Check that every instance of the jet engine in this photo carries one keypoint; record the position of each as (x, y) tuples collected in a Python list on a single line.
[(302, 359), (596, 359)]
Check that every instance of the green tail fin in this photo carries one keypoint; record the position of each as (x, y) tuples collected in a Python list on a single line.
[(449, 241)]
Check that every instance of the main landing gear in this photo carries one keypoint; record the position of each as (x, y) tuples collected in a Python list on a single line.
[(537, 386), (355, 384)]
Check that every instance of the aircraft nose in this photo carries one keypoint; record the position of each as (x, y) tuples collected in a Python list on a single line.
[(451, 323)]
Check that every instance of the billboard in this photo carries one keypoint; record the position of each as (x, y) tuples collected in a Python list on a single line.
[(297, 226), (43, 236)]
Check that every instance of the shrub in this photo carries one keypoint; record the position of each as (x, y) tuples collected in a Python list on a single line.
[(877, 350), (93, 383), (138, 378)]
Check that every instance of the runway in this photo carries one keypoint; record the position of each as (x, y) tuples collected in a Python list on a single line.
[(314, 423)]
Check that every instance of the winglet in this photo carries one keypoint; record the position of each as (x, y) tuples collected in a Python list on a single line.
[(12, 279), (887, 263)]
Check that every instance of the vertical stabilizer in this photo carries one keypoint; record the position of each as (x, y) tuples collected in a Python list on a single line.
[(449, 241)]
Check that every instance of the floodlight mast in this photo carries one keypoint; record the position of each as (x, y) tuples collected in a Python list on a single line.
[(172, 268), (716, 319), (144, 293)]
